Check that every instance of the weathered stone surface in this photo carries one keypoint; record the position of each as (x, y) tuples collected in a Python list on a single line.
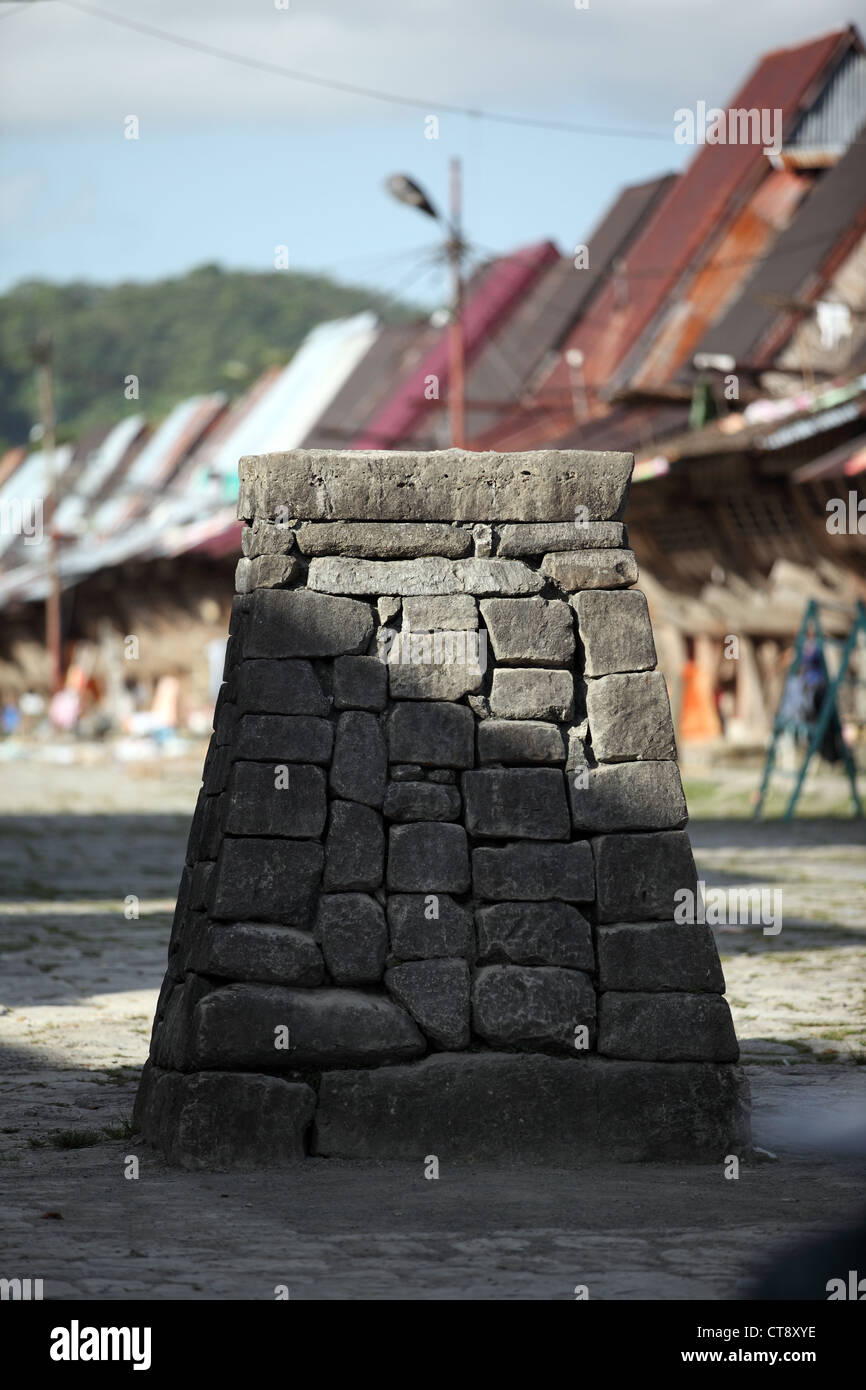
[(212, 823), (436, 993), (199, 886), (408, 801), (383, 540), (615, 631), (517, 803), (268, 880), (532, 1007), (354, 938), (360, 682), (543, 537), (359, 771), (432, 735), (482, 539), (388, 608), (217, 766), (267, 538), (296, 622), (552, 933), (173, 1043), (265, 572), (262, 800), (534, 873), (453, 613), (277, 738), (279, 687), (650, 956), (534, 631), (256, 951), (666, 1027), (208, 1121), (536, 694), (627, 796), (438, 666), (446, 775), (638, 875), (577, 739), (448, 485), (428, 925), (336, 574), (571, 570), (355, 848), (428, 857), (630, 717), (519, 741), (538, 1109), (238, 1027), (406, 772)]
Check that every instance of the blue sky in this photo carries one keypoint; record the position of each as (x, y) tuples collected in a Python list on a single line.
[(231, 163)]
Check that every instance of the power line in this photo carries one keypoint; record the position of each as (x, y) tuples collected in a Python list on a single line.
[(352, 89)]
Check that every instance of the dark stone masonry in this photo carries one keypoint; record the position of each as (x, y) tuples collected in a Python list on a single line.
[(428, 900)]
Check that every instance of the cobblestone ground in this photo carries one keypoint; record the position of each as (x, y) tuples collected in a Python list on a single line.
[(85, 846)]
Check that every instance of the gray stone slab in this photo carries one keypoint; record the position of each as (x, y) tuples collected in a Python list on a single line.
[(534, 872), (449, 485), (267, 538), (279, 687), (615, 630), (278, 738), (531, 631), (354, 937), (359, 771), (360, 682), (517, 803), (287, 800), (265, 572), (533, 1007), (630, 717), (535, 1109), (542, 537), (410, 801), (666, 1027), (257, 951), (424, 926), (519, 741), (532, 694), (244, 1026), (355, 848), (337, 574), (627, 796), (572, 570), (296, 622), (521, 933), (651, 956), (436, 994), (435, 734), (383, 540), (438, 666), (428, 857), (267, 880), (637, 876), (451, 613), (217, 1122)]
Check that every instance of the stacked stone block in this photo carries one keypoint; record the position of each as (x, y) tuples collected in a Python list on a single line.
[(428, 899)]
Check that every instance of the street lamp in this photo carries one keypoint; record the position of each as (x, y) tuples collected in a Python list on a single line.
[(406, 190)]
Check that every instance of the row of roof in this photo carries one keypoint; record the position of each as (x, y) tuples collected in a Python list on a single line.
[(726, 261)]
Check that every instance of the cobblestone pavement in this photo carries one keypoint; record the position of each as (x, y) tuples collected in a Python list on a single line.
[(85, 847)]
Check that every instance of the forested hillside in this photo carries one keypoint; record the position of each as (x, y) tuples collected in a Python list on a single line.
[(209, 330)]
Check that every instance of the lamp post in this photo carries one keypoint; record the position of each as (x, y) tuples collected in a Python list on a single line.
[(406, 190)]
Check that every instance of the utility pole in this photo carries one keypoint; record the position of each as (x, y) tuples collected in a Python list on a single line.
[(456, 370), (43, 355)]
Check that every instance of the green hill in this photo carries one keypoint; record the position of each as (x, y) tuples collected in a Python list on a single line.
[(209, 330)]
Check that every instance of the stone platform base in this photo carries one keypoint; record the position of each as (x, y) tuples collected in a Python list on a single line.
[(462, 1106)]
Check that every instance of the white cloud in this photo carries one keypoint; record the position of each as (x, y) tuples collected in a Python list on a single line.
[(624, 61)]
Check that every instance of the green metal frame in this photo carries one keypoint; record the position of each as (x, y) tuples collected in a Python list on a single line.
[(811, 626)]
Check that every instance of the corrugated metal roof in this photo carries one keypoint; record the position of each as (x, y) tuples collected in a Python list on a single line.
[(26, 487), (699, 205), (828, 127), (806, 253), (394, 353), (98, 468)]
